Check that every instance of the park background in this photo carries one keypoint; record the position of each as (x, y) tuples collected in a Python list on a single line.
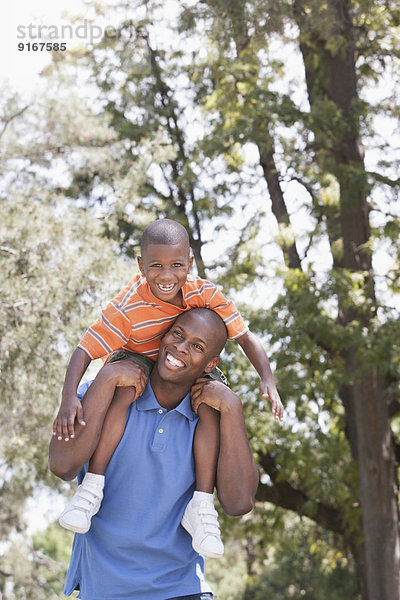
[(270, 131)]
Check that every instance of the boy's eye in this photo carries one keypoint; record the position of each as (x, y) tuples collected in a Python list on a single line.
[(177, 265), (156, 265)]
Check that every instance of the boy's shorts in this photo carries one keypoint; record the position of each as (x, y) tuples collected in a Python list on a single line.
[(148, 364)]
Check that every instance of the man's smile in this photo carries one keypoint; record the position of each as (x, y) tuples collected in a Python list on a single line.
[(176, 362)]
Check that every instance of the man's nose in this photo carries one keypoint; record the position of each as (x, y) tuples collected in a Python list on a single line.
[(182, 346)]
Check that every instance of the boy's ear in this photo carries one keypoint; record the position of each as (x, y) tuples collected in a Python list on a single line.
[(191, 262), (214, 362), (140, 264)]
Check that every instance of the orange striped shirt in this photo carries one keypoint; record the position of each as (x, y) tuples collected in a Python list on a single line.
[(136, 320)]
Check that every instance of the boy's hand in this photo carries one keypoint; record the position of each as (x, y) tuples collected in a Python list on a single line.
[(269, 391), (70, 409)]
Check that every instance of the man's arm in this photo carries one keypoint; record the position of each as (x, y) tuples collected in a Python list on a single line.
[(67, 459), (237, 475)]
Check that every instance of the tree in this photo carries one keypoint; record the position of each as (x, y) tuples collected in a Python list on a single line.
[(330, 38), (330, 323), (53, 261), (330, 345)]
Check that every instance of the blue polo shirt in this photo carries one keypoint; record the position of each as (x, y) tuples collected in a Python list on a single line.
[(136, 548)]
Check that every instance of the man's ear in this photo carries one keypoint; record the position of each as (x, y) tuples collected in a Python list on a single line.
[(140, 264), (214, 362)]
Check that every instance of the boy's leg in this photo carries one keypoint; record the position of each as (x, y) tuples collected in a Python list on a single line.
[(111, 433), (115, 420), (86, 502), (206, 441), (200, 518), (206, 448)]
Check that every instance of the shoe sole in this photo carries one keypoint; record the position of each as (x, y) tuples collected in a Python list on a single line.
[(186, 525), (71, 527)]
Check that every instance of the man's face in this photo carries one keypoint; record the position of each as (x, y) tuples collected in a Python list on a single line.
[(188, 349), (166, 268)]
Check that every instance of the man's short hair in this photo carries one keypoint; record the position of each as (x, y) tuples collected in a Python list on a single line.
[(221, 333), (165, 232)]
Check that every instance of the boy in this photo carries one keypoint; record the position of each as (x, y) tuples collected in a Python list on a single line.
[(135, 321)]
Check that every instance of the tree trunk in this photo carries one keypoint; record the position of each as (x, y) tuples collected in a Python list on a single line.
[(368, 423), (358, 553)]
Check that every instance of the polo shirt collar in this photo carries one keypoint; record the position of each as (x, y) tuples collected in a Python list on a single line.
[(148, 401)]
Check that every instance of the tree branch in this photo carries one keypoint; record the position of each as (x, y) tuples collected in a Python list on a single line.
[(178, 163), (11, 118), (383, 179), (283, 494), (278, 204)]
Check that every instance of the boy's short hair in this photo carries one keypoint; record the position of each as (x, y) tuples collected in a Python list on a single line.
[(164, 232)]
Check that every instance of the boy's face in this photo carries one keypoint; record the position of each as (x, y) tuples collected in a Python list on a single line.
[(166, 268)]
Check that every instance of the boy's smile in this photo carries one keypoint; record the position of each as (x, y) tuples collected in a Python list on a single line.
[(166, 268)]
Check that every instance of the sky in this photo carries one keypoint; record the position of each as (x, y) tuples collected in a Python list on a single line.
[(21, 68), (24, 22)]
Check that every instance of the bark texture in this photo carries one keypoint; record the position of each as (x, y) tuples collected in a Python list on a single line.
[(364, 397)]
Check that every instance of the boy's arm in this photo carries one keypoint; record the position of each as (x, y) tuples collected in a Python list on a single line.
[(255, 352), (237, 475), (66, 460), (106, 335), (71, 407)]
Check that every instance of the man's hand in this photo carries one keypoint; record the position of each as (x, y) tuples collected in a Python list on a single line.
[(214, 393), (269, 391), (126, 373)]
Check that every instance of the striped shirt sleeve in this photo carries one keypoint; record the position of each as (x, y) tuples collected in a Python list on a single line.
[(228, 312), (111, 331)]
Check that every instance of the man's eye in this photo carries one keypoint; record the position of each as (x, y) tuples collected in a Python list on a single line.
[(198, 347), (177, 333)]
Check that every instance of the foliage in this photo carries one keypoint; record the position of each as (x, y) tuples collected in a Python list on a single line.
[(234, 126), (41, 565), (305, 564), (52, 267)]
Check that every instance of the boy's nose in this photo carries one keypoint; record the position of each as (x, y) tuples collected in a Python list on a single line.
[(166, 275)]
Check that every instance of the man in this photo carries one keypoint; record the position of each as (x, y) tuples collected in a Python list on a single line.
[(136, 548)]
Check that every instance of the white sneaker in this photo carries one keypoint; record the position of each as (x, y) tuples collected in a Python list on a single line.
[(200, 519), (77, 515)]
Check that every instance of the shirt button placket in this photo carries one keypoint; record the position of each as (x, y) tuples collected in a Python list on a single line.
[(160, 439)]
